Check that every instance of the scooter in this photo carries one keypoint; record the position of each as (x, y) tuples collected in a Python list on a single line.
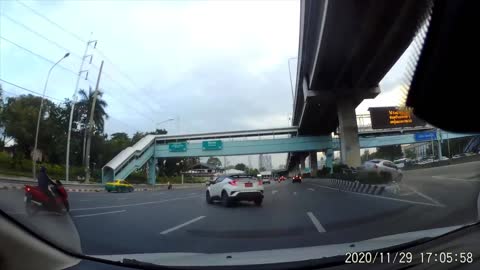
[(36, 200)]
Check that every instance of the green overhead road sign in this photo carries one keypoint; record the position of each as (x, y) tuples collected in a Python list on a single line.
[(177, 147), (212, 145)]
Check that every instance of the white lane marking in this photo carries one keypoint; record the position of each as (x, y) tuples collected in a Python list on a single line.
[(157, 193), (381, 197), (406, 194), (133, 204), (98, 214), (274, 191), (182, 225), (423, 195), (441, 177), (295, 193), (311, 189), (316, 223), (193, 194)]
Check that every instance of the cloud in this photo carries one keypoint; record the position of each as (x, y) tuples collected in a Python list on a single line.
[(213, 65)]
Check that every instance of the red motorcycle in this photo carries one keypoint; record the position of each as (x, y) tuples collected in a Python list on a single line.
[(36, 199)]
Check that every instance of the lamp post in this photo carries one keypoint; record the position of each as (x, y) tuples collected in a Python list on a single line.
[(170, 119), (40, 115)]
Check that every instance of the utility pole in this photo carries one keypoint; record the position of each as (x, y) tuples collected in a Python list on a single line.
[(67, 159), (90, 126)]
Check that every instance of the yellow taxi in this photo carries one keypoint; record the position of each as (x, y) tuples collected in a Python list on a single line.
[(119, 186)]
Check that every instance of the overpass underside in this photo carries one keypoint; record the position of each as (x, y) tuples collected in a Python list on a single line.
[(345, 49)]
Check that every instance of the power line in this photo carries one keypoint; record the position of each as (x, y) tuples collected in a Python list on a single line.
[(124, 75), (81, 40), (37, 55), (52, 22), (134, 97), (29, 90), (116, 67), (124, 123), (131, 107), (51, 98), (40, 35)]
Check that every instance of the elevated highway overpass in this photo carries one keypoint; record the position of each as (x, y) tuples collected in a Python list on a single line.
[(345, 49)]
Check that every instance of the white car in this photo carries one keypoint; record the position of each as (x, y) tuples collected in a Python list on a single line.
[(232, 188), (267, 181), (383, 168)]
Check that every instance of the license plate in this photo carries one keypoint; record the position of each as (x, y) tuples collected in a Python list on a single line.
[(248, 185)]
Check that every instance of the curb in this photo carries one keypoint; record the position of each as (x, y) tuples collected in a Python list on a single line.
[(357, 187), (21, 187)]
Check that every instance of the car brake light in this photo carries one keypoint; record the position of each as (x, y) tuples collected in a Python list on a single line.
[(233, 182), (28, 189), (260, 182)]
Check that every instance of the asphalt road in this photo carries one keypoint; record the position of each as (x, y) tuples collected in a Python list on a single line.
[(292, 215)]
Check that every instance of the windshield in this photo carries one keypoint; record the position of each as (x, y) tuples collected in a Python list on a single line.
[(143, 108)]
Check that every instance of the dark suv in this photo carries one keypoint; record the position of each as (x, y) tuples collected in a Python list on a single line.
[(297, 179)]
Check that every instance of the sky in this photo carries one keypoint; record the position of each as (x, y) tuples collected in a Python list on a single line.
[(210, 65)]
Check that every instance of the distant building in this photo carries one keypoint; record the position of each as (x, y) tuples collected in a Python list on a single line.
[(265, 161)]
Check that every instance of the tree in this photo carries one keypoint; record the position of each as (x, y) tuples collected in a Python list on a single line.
[(365, 156), (139, 135), (262, 169), (20, 118), (2, 120), (252, 171), (174, 166), (85, 107), (118, 141), (409, 153), (214, 161), (241, 167), (389, 152)]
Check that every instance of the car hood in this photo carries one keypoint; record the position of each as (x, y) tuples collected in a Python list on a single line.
[(277, 255)]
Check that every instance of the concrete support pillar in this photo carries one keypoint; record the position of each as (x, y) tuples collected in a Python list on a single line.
[(151, 172), (313, 164), (349, 143)]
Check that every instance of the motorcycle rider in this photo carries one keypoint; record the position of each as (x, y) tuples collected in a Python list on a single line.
[(44, 181)]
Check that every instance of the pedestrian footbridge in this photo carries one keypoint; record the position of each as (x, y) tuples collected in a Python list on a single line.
[(246, 142)]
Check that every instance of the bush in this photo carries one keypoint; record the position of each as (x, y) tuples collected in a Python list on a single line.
[(5, 159)]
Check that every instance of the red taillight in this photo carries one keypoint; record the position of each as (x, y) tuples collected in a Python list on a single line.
[(233, 182), (300, 177), (260, 182), (28, 189)]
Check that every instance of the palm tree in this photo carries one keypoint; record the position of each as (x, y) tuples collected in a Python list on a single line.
[(99, 113)]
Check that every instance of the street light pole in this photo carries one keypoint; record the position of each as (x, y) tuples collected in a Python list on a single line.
[(40, 115), (170, 119)]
